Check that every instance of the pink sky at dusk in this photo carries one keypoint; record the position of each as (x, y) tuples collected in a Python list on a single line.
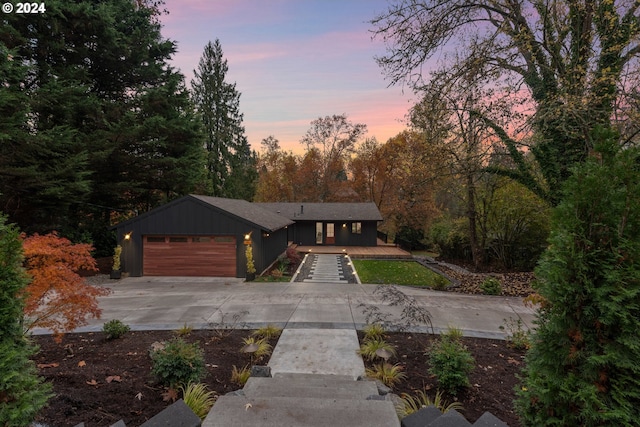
[(293, 61)]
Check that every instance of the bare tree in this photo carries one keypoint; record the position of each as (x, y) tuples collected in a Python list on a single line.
[(334, 138), (566, 57)]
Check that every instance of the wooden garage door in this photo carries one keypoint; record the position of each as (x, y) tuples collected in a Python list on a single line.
[(189, 256)]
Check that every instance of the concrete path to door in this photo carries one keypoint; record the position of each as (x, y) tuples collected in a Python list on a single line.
[(324, 268)]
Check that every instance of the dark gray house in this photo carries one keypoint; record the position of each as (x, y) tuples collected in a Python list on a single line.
[(207, 236), (340, 224), (201, 236)]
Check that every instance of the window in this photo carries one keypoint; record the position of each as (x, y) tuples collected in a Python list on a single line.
[(155, 239), (356, 227), (224, 239), (201, 239), (178, 239)]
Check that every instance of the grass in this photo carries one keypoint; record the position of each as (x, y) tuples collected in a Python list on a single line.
[(395, 273), (270, 278)]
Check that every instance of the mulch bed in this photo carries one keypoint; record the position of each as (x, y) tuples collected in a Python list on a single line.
[(81, 365)]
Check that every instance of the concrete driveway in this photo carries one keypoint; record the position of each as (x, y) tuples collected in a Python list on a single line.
[(172, 302)]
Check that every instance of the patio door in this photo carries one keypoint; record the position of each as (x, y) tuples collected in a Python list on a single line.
[(331, 239), (319, 233)]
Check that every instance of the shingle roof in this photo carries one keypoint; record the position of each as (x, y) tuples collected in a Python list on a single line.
[(252, 212), (325, 211)]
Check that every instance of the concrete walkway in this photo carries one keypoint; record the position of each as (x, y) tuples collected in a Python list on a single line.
[(319, 338), (171, 302), (326, 268)]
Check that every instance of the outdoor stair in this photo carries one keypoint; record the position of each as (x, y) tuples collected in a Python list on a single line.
[(326, 269), (304, 400), (310, 400)]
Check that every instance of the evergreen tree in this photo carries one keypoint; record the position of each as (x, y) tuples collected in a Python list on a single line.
[(583, 366), (22, 392), (230, 162), (103, 121)]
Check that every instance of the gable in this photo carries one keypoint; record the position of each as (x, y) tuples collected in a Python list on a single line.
[(194, 213)]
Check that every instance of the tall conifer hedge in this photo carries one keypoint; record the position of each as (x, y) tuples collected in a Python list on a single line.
[(22, 392), (584, 365)]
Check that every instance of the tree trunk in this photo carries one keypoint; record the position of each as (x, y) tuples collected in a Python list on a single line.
[(476, 250)]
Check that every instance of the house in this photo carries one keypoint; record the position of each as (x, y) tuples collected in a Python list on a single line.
[(340, 224), (208, 236), (201, 236)]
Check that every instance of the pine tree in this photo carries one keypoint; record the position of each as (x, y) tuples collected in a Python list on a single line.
[(230, 162), (583, 366), (22, 392), (99, 119)]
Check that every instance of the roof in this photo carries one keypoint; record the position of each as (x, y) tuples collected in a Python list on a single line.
[(325, 211), (252, 212)]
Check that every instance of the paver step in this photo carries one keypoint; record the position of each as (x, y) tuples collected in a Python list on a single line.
[(326, 276), (308, 386), (300, 412)]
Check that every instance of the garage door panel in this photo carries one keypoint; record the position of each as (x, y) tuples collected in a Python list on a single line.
[(210, 256)]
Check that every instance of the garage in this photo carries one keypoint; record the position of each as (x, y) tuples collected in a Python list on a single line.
[(201, 236), (189, 256)]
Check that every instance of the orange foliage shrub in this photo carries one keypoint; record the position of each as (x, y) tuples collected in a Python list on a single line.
[(57, 297)]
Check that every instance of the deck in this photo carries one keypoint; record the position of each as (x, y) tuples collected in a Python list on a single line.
[(381, 251)]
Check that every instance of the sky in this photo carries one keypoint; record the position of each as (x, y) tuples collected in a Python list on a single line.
[(293, 61)]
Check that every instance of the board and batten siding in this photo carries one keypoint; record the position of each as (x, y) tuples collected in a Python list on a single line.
[(189, 217)]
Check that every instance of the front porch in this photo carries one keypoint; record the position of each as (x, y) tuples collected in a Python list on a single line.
[(363, 252)]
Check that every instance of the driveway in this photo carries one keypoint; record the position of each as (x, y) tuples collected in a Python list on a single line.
[(172, 302)]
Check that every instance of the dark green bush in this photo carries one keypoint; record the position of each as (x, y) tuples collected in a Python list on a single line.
[(178, 363), (582, 368), (22, 392), (451, 363), (491, 286), (440, 283), (114, 329)]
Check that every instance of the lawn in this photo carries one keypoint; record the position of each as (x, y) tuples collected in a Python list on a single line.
[(397, 273)]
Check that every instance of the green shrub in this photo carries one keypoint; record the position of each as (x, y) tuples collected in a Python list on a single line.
[(374, 331), (491, 286), (387, 373), (410, 404), (22, 392), (240, 376), (453, 333), (267, 332), (114, 329), (517, 337), (582, 368), (184, 330), (439, 283), (258, 348), (451, 363), (198, 399), (369, 349), (178, 363)]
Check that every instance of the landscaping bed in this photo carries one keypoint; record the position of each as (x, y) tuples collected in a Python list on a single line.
[(80, 368), (99, 381), (492, 380)]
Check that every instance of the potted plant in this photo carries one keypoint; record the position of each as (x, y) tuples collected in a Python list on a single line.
[(115, 270), (251, 268)]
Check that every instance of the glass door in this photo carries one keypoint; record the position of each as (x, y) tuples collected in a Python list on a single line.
[(319, 233), (331, 240)]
